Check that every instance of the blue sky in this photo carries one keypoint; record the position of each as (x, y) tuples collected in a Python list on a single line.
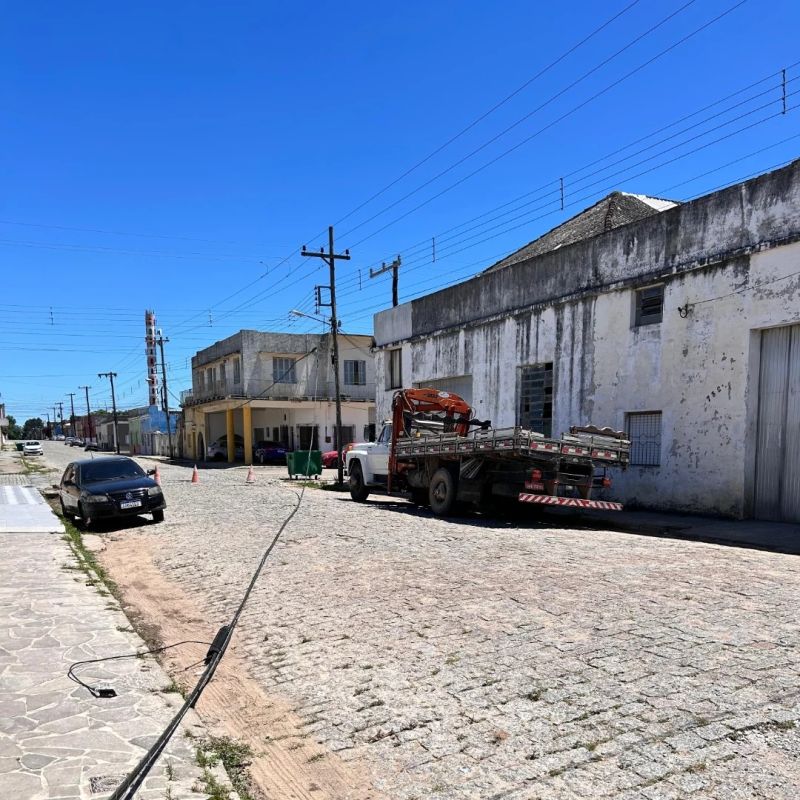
[(175, 156)]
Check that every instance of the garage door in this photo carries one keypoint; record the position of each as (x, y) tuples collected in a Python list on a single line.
[(460, 385), (777, 486)]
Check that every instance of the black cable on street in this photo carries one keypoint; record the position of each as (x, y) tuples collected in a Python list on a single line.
[(128, 788)]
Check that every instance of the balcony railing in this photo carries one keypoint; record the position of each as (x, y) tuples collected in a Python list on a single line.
[(268, 390)]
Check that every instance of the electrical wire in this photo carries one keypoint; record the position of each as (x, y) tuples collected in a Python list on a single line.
[(549, 125), (130, 785), (94, 691)]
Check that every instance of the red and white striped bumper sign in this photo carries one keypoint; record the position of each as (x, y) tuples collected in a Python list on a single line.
[(574, 502)]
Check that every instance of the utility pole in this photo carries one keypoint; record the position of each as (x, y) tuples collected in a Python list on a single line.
[(61, 414), (394, 267), (48, 422), (330, 259), (111, 376), (88, 413), (160, 342), (72, 432)]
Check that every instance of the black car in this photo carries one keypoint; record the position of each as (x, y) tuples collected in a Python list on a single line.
[(109, 488)]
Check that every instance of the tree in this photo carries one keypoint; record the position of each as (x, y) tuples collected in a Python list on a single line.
[(33, 428), (13, 431)]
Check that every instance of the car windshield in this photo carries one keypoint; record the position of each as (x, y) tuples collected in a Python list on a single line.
[(109, 470)]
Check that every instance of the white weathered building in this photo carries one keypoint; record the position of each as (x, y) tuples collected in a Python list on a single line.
[(681, 327), (279, 387)]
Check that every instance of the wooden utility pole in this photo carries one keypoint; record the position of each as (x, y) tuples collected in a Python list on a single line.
[(394, 267), (111, 376), (61, 414), (72, 431), (160, 342), (88, 414), (330, 259)]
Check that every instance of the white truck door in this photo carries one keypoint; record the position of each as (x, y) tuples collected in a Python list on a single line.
[(379, 455)]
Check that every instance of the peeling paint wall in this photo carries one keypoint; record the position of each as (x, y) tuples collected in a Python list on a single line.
[(730, 260)]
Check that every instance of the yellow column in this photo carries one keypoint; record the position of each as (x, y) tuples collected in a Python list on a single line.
[(229, 432), (247, 423)]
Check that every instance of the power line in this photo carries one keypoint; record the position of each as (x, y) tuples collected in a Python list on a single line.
[(551, 124), (490, 111)]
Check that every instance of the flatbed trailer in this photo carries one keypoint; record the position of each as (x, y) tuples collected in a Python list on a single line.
[(455, 464)]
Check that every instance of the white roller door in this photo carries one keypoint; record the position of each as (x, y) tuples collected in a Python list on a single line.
[(777, 484)]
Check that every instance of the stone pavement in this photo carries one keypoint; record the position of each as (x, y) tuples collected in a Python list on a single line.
[(487, 658), (56, 740)]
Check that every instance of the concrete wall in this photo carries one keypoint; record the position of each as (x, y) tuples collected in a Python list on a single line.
[(731, 260)]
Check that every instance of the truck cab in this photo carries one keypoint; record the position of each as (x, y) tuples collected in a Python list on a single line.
[(370, 460)]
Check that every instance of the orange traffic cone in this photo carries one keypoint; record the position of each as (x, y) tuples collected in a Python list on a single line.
[(195, 475), (251, 476), (157, 476)]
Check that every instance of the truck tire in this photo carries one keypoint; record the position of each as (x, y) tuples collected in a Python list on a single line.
[(442, 492), (358, 490)]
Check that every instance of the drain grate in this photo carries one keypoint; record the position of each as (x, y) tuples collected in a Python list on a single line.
[(105, 783)]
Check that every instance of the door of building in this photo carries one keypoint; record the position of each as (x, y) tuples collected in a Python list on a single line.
[(308, 437), (348, 435), (777, 484)]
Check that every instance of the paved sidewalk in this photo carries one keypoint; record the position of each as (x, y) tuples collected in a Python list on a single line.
[(56, 739)]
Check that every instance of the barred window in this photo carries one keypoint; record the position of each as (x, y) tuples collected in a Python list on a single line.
[(536, 398), (649, 305), (355, 373), (237, 370), (394, 371), (644, 431), (283, 370)]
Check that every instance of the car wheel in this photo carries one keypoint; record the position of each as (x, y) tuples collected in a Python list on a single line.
[(64, 513), (442, 492), (85, 519), (358, 490), (158, 516)]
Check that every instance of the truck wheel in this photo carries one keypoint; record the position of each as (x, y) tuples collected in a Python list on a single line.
[(442, 492), (358, 491)]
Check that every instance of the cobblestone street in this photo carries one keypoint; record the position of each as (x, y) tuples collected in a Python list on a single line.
[(475, 658)]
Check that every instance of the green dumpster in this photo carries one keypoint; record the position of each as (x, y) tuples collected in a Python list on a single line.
[(304, 462)]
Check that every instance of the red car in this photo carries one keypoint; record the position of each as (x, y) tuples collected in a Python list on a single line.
[(330, 460)]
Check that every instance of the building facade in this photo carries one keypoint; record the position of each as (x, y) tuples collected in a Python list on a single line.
[(681, 328), (278, 387)]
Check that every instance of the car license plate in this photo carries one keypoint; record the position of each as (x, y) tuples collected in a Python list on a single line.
[(130, 503)]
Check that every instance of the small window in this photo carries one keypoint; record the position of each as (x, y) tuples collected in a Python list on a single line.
[(644, 431), (394, 372), (283, 370), (355, 373), (210, 378), (222, 372), (649, 305), (237, 370)]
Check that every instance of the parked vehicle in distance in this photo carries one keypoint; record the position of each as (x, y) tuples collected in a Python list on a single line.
[(32, 448), (69, 440), (59, 437), (76, 442), (109, 488), (270, 453), (92, 446), (218, 450), (330, 460)]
